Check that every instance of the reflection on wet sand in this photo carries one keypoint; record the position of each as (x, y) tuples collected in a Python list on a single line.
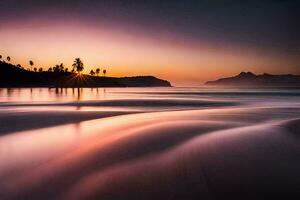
[(237, 151), (50, 94)]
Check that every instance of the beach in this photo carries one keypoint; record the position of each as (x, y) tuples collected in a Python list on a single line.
[(149, 143)]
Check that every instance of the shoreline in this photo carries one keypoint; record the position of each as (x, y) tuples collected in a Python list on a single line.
[(166, 149)]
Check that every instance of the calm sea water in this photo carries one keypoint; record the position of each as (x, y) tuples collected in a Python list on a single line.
[(149, 143), (33, 95)]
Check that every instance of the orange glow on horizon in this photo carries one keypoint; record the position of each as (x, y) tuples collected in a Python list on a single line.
[(124, 53)]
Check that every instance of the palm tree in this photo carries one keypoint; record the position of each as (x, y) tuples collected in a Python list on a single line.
[(104, 72), (35, 69), (97, 71), (78, 65), (40, 69), (0, 57), (50, 69), (56, 68), (92, 73), (66, 69), (8, 58), (61, 67), (31, 64)]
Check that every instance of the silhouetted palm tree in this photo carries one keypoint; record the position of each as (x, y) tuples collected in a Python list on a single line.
[(104, 72), (97, 71), (61, 67), (66, 69), (40, 69), (78, 65), (35, 69), (92, 73), (56, 68), (31, 64), (50, 69), (8, 58), (0, 57)]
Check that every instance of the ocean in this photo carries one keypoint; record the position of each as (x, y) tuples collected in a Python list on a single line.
[(150, 143)]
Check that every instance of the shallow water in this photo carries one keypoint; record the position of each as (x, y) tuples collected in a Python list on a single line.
[(149, 143)]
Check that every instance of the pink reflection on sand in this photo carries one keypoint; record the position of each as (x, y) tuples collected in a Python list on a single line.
[(212, 159), (53, 151), (170, 151)]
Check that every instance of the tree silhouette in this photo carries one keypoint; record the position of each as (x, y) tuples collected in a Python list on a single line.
[(78, 65), (66, 69), (35, 69), (8, 58), (97, 71), (0, 57), (92, 73), (56, 68), (61, 67), (50, 69), (19, 66), (31, 64), (40, 69), (104, 72)]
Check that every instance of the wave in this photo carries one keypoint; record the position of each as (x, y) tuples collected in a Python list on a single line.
[(29, 120), (53, 114), (133, 103), (219, 93)]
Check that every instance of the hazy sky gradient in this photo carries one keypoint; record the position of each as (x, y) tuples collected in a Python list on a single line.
[(186, 42)]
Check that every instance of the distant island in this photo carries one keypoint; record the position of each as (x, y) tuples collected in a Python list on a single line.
[(265, 80), (59, 76)]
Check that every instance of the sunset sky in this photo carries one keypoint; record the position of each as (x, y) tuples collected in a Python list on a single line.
[(187, 42)]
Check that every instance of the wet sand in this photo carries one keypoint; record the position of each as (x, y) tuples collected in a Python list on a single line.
[(246, 150)]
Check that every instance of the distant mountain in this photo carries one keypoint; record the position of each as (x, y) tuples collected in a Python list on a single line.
[(14, 76), (250, 79)]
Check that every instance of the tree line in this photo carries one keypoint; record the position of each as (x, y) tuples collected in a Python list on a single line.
[(77, 67)]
